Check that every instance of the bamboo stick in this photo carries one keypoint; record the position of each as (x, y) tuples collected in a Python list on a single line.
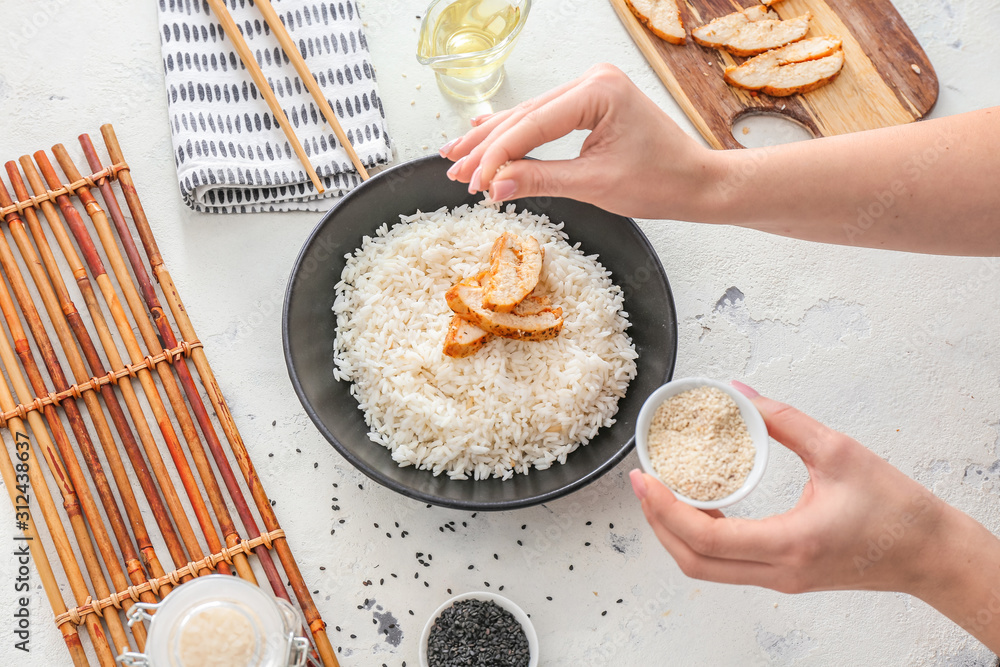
[(180, 366), (12, 480), (59, 310), (67, 307), (243, 49), (173, 503), (71, 499), (292, 51), (316, 624), (165, 374), (149, 386), (164, 370), (79, 427)]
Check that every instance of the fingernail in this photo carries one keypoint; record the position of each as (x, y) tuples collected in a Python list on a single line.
[(503, 190), (453, 171), (638, 484), (448, 146), (479, 119), (749, 392), (474, 183)]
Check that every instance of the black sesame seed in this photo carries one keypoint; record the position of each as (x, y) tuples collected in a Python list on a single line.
[(471, 567), (589, 522), (500, 589), (524, 526), (298, 451), (586, 544), (411, 612), (270, 456), (315, 465), (475, 632), (619, 600), (570, 568), (426, 585), (604, 613), (274, 423), (496, 557), (549, 598), (520, 543), (354, 636), (611, 525)]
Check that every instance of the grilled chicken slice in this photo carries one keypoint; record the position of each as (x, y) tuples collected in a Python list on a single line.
[(465, 339), (796, 68), (543, 323), (515, 265), (662, 17), (754, 30)]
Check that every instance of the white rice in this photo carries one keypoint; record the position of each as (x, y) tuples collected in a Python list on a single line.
[(513, 404)]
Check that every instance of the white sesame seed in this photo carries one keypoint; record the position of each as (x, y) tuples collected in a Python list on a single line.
[(915, 68), (699, 444)]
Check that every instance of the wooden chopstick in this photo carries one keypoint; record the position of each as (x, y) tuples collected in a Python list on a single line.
[(292, 51), (243, 49)]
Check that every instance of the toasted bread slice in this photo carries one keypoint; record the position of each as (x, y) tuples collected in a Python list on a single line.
[(466, 300), (752, 31), (662, 17), (796, 68), (515, 266), (464, 338)]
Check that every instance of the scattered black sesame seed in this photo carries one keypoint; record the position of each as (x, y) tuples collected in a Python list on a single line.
[(430, 557), (570, 568), (426, 585), (520, 543), (449, 591), (338, 628), (496, 557), (393, 575), (333, 531), (381, 582), (298, 451), (471, 567), (354, 636), (342, 521), (274, 423), (361, 486), (404, 533), (586, 544), (416, 575), (321, 568), (589, 522), (315, 465), (619, 600), (388, 535), (501, 588), (611, 525), (270, 456), (397, 524), (335, 485), (411, 612), (376, 525), (604, 613), (524, 526), (420, 554), (465, 525), (474, 514), (273, 503), (487, 584)]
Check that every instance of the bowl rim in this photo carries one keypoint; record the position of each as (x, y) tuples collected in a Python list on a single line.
[(519, 615), (751, 415), (373, 472)]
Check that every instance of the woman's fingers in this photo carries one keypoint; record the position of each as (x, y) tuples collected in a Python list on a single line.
[(721, 570), (816, 444), (551, 178), (487, 123), (763, 541)]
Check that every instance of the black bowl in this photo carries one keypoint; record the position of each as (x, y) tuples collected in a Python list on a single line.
[(308, 329)]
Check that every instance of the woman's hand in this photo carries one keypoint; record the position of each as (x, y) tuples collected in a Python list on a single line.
[(635, 162), (860, 524)]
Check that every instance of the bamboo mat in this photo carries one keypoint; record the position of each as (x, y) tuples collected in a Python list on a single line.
[(102, 544)]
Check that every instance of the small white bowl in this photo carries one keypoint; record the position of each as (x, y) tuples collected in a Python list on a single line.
[(517, 612), (750, 414)]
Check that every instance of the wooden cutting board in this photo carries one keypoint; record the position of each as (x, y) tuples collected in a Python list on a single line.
[(887, 78)]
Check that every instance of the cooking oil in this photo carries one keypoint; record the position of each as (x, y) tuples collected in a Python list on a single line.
[(467, 27), (467, 41)]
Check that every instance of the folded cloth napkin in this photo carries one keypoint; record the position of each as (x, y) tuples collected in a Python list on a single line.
[(231, 155)]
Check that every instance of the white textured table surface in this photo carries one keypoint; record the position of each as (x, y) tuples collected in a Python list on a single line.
[(897, 350)]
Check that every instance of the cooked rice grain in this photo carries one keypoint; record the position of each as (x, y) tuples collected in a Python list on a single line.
[(512, 405)]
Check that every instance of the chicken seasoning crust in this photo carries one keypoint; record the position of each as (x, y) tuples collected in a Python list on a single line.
[(452, 386)]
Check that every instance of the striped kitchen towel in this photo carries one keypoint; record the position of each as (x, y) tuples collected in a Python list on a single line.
[(231, 155)]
